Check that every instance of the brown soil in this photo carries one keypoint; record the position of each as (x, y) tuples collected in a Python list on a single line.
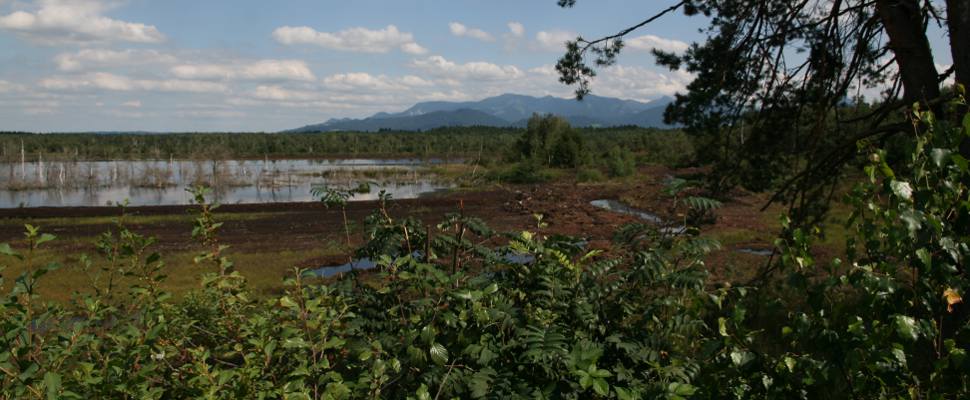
[(276, 227)]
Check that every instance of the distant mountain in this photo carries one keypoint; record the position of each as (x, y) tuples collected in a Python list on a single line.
[(506, 110), (436, 119)]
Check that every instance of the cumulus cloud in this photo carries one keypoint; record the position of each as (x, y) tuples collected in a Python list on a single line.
[(516, 29), (96, 58), (478, 70), (112, 82), (640, 83), (650, 42), (554, 40), (363, 81), (360, 80), (262, 70), (416, 81), (413, 48), (354, 39), (279, 93), (75, 21), (625, 82), (461, 30)]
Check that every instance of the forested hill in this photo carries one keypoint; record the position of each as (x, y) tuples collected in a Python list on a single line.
[(507, 110)]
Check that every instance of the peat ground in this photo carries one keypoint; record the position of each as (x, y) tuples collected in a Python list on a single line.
[(267, 240)]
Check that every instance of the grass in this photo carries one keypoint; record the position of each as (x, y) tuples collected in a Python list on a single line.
[(264, 272), (730, 237), (131, 219)]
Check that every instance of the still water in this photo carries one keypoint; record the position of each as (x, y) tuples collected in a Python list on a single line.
[(163, 182)]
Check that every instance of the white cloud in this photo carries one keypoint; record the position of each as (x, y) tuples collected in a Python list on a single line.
[(356, 81), (544, 70), (75, 21), (413, 48), (93, 58), (516, 29), (106, 81), (132, 104), (554, 40), (478, 70), (262, 70), (416, 81), (354, 39), (639, 83), (460, 30), (650, 42), (278, 93), (453, 95), (360, 80)]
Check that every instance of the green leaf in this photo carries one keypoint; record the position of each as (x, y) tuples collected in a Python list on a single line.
[(601, 387), (439, 354), (902, 189), (491, 288), (702, 203), (913, 221), (624, 394), (6, 250), (598, 373), (966, 124), (906, 327), (677, 390), (287, 302), (422, 393), (939, 156), (52, 385), (480, 383), (900, 355), (790, 363), (722, 326), (925, 257), (960, 161), (740, 358), (886, 171)]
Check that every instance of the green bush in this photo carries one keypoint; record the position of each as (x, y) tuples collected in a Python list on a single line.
[(620, 162), (550, 141), (523, 172), (589, 175)]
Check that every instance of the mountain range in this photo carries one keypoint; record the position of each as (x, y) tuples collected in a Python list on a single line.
[(507, 110)]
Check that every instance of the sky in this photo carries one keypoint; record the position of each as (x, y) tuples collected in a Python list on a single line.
[(255, 65)]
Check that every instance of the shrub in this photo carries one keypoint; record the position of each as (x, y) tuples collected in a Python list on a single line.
[(550, 141), (524, 172), (589, 175), (620, 162)]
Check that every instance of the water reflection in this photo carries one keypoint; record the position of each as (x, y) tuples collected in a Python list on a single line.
[(756, 252), (616, 206), (98, 183)]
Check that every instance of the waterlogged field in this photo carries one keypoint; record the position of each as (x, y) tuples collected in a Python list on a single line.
[(163, 182)]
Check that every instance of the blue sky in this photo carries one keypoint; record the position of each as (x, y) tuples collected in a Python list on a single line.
[(247, 65)]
